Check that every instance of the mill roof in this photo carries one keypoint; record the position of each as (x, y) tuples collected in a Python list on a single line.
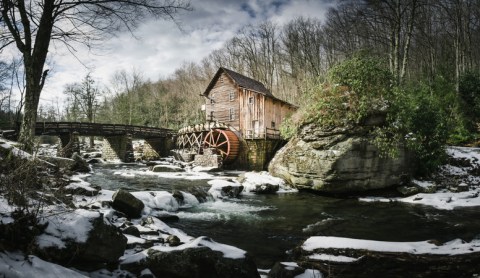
[(244, 82), (240, 80)]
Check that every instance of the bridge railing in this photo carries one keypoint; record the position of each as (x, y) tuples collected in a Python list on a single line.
[(100, 129)]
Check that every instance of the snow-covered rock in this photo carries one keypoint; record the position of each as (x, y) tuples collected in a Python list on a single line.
[(125, 202), (200, 257), (263, 183), (20, 266), (373, 258), (457, 184), (166, 169), (80, 236), (224, 189)]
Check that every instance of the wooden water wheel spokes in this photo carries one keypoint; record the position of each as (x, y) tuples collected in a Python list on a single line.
[(225, 142)]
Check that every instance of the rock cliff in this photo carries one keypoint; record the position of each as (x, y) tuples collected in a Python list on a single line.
[(341, 160)]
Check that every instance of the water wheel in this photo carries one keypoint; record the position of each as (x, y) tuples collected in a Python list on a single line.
[(225, 142)]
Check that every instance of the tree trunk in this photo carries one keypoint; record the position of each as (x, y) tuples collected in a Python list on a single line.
[(32, 97), (34, 62)]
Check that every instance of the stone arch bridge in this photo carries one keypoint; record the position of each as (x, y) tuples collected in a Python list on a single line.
[(117, 138)]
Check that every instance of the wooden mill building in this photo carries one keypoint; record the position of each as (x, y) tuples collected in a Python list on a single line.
[(242, 123), (245, 104)]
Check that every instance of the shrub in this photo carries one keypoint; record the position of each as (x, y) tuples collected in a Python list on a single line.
[(469, 100), (355, 89), (416, 118)]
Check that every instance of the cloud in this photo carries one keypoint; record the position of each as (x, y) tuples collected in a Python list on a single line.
[(160, 47)]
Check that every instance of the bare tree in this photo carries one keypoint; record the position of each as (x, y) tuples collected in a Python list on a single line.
[(84, 98), (32, 25), (126, 87)]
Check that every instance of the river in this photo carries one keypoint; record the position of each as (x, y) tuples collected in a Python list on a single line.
[(267, 226)]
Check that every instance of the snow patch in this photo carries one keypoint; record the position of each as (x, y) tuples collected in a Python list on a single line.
[(74, 225), (253, 179), (228, 251), (454, 247), (310, 273), (17, 265), (333, 258)]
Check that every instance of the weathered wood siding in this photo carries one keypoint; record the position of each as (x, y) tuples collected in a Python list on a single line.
[(252, 107), (222, 106), (253, 114)]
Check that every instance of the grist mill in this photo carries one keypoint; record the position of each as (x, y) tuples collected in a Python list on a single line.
[(241, 128)]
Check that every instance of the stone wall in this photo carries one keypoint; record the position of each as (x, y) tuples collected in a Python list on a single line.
[(69, 144), (208, 160), (118, 148), (255, 154), (260, 152), (158, 147)]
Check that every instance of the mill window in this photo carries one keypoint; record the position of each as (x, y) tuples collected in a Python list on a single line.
[(232, 96), (251, 100), (232, 114)]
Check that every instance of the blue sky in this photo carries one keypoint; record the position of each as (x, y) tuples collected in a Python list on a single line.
[(160, 47)]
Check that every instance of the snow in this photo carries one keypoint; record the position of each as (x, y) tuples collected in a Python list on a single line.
[(253, 179), (15, 265), (472, 154), (454, 247), (228, 251), (423, 184), (74, 225), (217, 185), (134, 240), (310, 273), (333, 258), (157, 200), (187, 175), (78, 182), (15, 151), (445, 199), (203, 169), (5, 211)]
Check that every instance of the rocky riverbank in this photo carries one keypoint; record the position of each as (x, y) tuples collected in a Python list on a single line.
[(340, 160), (97, 232)]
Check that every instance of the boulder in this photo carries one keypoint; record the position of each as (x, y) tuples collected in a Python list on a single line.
[(79, 164), (173, 240), (93, 243), (200, 262), (349, 261), (231, 191), (131, 230), (266, 188), (125, 202), (285, 270), (60, 162), (408, 190), (166, 168), (338, 161)]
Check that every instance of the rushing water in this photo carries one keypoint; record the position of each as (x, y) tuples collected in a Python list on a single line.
[(268, 225)]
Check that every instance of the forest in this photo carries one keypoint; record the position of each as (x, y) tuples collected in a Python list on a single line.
[(428, 48)]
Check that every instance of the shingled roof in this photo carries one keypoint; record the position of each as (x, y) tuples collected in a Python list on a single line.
[(240, 80)]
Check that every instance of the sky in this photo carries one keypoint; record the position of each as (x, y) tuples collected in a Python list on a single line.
[(160, 47)]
